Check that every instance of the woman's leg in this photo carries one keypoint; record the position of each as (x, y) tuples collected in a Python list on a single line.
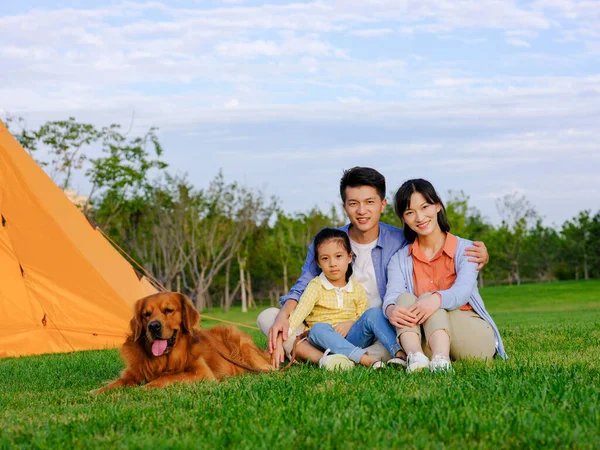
[(374, 325), (472, 337), (409, 337), (437, 333), (323, 336)]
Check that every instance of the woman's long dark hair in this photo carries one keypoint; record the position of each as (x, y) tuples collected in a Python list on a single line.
[(327, 234), (426, 189)]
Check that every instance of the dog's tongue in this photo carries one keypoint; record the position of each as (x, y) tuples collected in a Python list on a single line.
[(158, 347)]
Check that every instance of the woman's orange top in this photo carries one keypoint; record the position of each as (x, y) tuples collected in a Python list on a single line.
[(437, 274)]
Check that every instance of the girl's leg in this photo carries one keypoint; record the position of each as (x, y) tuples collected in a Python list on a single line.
[(323, 336), (374, 325), (472, 337)]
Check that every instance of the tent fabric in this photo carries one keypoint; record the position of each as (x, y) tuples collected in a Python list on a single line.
[(63, 287)]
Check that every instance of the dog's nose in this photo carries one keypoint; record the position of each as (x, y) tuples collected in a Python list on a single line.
[(154, 327)]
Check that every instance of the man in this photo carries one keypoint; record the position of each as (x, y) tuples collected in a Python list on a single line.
[(373, 243)]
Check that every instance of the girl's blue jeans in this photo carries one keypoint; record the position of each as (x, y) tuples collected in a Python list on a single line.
[(372, 325)]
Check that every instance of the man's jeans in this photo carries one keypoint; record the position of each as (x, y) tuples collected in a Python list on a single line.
[(372, 325)]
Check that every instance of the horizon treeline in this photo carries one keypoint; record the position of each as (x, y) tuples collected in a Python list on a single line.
[(229, 243)]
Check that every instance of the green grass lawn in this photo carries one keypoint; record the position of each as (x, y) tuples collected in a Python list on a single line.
[(546, 395)]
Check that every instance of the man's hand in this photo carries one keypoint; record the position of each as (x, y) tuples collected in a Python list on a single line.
[(278, 353), (478, 253), (280, 329), (401, 317), (426, 306), (344, 327)]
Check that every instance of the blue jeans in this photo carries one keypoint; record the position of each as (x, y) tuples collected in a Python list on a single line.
[(372, 325)]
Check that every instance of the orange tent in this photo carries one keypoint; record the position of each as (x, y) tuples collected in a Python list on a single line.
[(63, 287)]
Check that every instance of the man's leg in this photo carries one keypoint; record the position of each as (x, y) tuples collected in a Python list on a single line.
[(266, 319), (304, 350)]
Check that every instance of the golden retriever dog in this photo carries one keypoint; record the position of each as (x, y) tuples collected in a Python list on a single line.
[(165, 347)]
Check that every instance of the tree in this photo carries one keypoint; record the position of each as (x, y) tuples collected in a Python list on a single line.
[(219, 221), (516, 213), (579, 238), (124, 169)]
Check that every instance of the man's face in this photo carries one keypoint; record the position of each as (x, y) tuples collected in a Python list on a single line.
[(363, 207)]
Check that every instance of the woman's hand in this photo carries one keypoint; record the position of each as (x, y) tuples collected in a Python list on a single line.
[(401, 317), (344, 327), (478, 254), (426, 306)]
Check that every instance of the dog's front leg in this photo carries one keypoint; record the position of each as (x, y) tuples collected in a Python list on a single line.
[(200, 371), (127, 379)]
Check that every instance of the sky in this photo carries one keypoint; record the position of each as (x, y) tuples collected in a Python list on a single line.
[(489, 97)]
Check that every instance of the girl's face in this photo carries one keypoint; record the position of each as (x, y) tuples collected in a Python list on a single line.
[(333, 259), (421, 216)]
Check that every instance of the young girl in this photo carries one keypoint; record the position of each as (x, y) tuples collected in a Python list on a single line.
[(432, 294), (334, 308)]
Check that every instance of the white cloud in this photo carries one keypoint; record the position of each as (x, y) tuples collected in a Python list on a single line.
[(517, 42), (372, 32)]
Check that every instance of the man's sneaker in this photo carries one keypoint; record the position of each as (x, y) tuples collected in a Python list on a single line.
[(439, 363), (416, 361), (396, 362), (335, 362)]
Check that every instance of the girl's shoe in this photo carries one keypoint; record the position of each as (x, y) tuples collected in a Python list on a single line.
[(396, 362), (335, 361), (439, 363), (378, 365), (416, 361)]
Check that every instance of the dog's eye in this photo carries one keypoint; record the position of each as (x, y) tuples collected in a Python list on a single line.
[(168, 310), (147, 314)]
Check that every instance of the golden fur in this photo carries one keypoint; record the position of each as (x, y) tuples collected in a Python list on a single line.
[(191, 354)]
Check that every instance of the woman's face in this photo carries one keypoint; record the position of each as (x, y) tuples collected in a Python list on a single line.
[(421, 216), (333, 259)]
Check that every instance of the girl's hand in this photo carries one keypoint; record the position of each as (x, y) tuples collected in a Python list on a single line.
[(478, 254), (426, 306), (344, 327), (401, 317)]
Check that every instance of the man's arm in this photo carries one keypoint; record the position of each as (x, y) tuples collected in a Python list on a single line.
[(478, 254), (309, 271), (281, 324)]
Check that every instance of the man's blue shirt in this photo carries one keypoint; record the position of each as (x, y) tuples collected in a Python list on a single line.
[(390, 240)]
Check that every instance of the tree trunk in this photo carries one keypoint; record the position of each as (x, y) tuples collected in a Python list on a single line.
[(200, 300), (243, 288), (227, 267), (251, 302), (285, 279)]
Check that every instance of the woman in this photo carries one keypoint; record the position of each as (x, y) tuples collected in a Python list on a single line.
[(432, 295)]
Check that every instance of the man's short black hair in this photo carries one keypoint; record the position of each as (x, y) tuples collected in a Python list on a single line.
[(362, 176)]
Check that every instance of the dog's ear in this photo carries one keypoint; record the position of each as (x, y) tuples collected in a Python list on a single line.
[(136, 322), (189, 315)]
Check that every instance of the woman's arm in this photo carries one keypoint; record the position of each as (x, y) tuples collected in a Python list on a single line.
[(466, 281), (396, 284)]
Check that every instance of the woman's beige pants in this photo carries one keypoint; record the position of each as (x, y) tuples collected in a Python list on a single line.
[(470, 335)]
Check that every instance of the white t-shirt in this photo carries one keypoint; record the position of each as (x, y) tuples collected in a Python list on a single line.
[(364, 271)]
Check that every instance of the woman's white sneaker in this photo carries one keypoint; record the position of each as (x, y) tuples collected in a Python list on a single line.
[(416, 361), (439, 363)]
